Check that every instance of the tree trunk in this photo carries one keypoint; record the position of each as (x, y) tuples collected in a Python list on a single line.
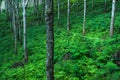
[(84, 18), (105, 5), (14, 27), (0, 7), (92, 5), (77, 7), (36, 10), (7, 5), (18, 21), (43, 11), (50, 39), (58, 12), (112, 18), (68, 16), (24, 32)]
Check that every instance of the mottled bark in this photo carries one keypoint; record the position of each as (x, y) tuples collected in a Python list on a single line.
[(112, 18), (50, 39), (68, 16), (84, 18)]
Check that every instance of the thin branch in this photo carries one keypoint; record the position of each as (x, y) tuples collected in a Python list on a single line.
[(26, 3)]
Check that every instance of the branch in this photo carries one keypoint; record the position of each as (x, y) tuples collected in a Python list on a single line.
[(26, 3), (73, 5)]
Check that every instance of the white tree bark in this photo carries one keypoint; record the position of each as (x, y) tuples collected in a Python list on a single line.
[(112, 18), (68, 16), (84, 18), (24, 30)]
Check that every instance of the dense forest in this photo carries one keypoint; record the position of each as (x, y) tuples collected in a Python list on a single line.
[(60, 40)]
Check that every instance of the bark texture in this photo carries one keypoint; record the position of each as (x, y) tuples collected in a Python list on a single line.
[(112, 18), (50, 39), (24, 30)]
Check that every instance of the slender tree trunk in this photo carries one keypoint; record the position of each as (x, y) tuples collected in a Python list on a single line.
[(112, 18), (84, 19), (7, 4), (43, 11), (18, 21), (50, 39), (77, 7), (92, 4), (68, 16), (14, 27), (24, 32), (36, 10), (58, 12), (0, 7), (105, 5)]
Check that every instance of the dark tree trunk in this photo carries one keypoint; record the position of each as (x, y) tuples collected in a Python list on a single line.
[(43, 11), (105, 5), (50, 39), (92, 5), (8, 6), (36, 10), (58, 12), (77, 7), (18, 22)]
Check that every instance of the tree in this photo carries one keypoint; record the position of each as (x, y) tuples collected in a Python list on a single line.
[(14, 25), (77, 7), (58, 12), (18, 20), (36, 10), (8, 4), (68, 16), (84, 18), (112, 18), (43, 10), (92, 4), (0, 7), (24, 29), (105, 4), (50, 39)]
